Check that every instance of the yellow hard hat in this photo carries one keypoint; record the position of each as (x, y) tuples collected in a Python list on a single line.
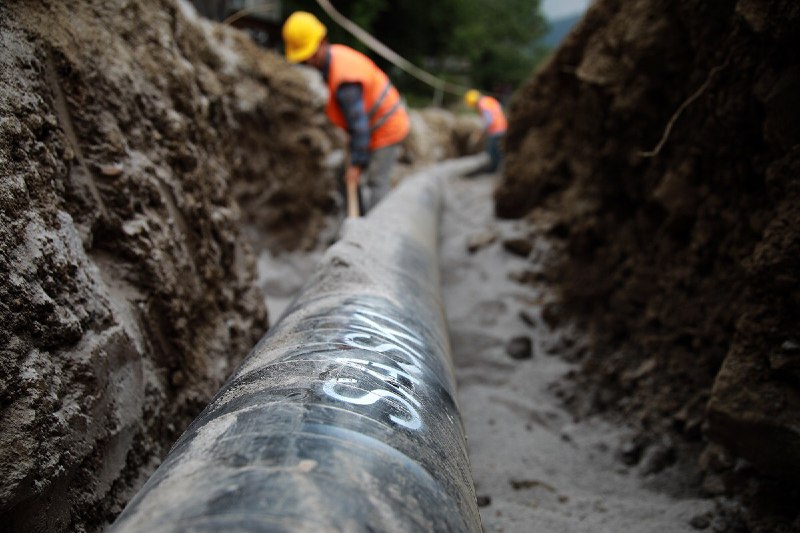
[(302, 33), (471, 97)]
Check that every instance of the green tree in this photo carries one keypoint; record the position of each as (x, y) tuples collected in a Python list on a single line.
[(497, 40), (500, 38), (362, 12)]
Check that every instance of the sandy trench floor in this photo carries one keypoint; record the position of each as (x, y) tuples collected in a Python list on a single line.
[(535, 468)]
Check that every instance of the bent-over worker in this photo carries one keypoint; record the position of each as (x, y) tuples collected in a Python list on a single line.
[(494, 124), (361, 100)]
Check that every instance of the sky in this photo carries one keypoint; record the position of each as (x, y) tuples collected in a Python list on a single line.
[(554, 9)]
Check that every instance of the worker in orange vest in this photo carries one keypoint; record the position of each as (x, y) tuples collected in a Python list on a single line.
[(494, 124), (361, 100)]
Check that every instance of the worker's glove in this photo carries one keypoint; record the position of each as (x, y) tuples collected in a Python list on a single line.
[(352, 175)]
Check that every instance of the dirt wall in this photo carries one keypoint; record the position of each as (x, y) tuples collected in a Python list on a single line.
[(136, 141), (660, 145)]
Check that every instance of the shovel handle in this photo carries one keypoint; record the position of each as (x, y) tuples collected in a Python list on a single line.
[(352, 200)]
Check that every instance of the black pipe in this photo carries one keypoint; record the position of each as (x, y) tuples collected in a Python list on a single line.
[(344, 416)]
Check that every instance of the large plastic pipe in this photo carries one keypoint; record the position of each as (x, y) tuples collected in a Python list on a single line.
[(344, 416)]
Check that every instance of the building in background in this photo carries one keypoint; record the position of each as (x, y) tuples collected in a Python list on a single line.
[(259, 18)]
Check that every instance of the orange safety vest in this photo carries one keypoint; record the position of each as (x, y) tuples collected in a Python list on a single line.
[(388, 120), (499, 124)]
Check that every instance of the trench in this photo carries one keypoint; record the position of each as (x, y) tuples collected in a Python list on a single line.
[(344, 414), (535, 466), (530, 465)]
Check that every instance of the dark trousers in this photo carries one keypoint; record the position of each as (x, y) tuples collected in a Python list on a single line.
[(494, 147)]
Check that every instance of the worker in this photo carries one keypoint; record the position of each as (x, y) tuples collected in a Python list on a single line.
[(494, 125), (361, 100)]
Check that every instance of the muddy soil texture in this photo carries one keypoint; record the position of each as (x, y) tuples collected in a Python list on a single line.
[(660, 145), (137, 143), (147, 158), (147, 155)]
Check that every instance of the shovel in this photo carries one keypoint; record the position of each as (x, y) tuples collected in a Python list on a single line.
[(352, 200), (352, 176)]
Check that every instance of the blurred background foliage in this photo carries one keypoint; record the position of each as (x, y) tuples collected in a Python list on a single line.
[(493, 45)]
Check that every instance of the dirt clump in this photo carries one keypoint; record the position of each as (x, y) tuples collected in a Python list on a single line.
[(136, 141), (438, 134), (660, 146)]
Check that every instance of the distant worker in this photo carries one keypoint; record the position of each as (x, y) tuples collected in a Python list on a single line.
[(361, 100), (494, 125)]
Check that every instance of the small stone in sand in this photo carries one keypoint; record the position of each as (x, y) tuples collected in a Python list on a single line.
[(700, 521), (520, 348), (480, 240), (527, 318), (484, 500), (520, 247)]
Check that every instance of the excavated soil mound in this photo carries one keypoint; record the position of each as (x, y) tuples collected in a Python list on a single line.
[(136, 141), (661, 147), (437, 134)]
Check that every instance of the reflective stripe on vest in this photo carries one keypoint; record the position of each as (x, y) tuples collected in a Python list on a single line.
[(374, 109), (389, 123), (376, 105), (378, 123), (499, 123)]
